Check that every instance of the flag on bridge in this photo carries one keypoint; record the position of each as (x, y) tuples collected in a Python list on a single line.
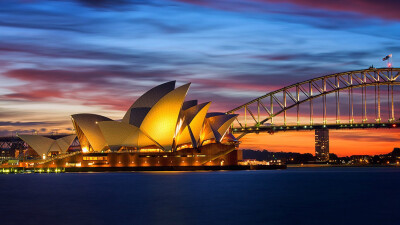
[(387, 57)]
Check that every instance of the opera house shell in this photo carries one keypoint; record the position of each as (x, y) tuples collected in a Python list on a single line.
[(43, 146), (159, 129), (160, 119)]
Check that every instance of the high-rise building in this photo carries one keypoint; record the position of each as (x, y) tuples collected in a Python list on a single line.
[(322, 145)]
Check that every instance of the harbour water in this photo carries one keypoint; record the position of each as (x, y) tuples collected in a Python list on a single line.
[(292, 196)]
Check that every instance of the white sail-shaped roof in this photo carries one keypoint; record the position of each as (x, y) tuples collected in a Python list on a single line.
[(224, 127), (65, 142), (147, 100), (216, 125), (88, 132), (119, 134), (194, 120), (161, 121), (44, 145), (160, 118)]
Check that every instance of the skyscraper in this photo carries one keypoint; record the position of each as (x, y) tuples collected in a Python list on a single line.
[(322, 145)]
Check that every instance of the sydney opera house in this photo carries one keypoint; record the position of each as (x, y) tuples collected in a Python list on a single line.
[(160, 129)]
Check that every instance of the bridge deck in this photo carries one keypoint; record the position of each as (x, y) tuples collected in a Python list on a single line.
[(274, 129)]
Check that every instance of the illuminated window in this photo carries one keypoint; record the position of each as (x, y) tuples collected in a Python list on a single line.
[(99, 158)]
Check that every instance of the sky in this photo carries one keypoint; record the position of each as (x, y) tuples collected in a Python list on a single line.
[(58, 58)]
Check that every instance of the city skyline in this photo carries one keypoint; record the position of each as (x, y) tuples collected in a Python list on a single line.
[(61, 58)]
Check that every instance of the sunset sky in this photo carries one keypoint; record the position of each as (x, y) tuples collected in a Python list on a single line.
[(59, 58)]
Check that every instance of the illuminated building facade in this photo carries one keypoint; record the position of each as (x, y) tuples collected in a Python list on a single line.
[(159, 129), (322, 145)]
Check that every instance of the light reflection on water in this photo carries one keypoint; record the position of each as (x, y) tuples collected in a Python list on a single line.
[(292, 196)]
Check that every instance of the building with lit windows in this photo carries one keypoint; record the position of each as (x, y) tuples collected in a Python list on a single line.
[(322, 145), (160, 129)]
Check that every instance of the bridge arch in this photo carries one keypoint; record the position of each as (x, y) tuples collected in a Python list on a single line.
[(306, 91)]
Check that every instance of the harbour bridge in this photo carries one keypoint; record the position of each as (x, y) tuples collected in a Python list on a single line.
[(349, 100)]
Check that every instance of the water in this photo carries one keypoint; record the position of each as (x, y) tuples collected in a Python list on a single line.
[(292, 196)]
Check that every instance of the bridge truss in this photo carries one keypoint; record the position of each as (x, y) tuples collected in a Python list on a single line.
[(353, 92)]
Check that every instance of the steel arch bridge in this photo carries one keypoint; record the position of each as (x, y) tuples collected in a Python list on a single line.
[(374, 86)]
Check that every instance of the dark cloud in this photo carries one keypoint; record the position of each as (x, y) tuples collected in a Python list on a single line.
[(370, 136), (94, 19), (95, 77), (333, 57), (106, 3), (48, 18), (105, 88), (120, 5), (22, 124), (101, 4), (177, 27), (34, 95), (11, 113), (386, 9), (76, 53), (277, 77), (88, 86)]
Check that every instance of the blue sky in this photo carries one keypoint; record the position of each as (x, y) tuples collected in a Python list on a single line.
[(99, 56)]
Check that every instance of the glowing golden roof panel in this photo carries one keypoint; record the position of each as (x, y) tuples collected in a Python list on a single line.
[(87, 123), (119, 134), (149, 99), (161, 121), (194, 120)]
